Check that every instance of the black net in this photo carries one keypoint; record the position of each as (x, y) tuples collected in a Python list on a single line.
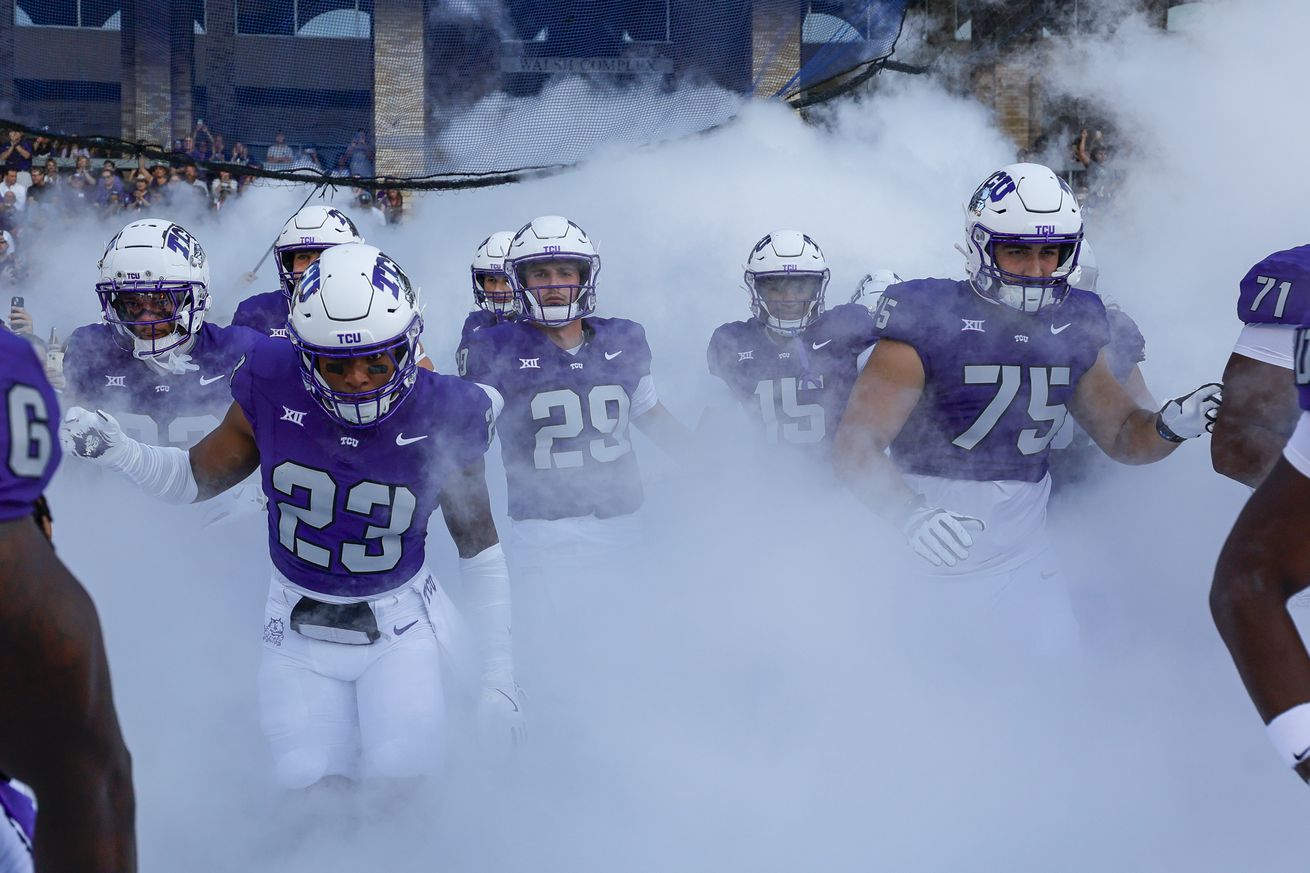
[(398, 93)]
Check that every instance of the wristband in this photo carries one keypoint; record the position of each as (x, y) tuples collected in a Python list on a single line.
[(1165, 433), (1290, 734)]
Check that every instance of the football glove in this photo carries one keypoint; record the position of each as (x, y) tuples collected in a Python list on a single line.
[(940, 536), (500, 714), (1191, 415), (96, 436)]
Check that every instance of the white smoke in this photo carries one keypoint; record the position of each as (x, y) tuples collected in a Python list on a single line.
[(765, 693)]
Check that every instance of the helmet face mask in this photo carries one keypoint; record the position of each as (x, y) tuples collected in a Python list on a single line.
[(786, 275), (1022, 205), (544, 257), (352, 304), (153, 288), (313, 228)]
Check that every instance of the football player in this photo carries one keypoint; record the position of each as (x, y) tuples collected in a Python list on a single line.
[(356, 447), (155, 363), (495, 299), (1273, 298), (304, 237), (571, 383), (60, 733), (1265, 561), (791, 365), (969, 383)]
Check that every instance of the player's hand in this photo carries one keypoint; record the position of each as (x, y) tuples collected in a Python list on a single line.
[(941, 537), (95, 436), (500, 714), (1192, 414)]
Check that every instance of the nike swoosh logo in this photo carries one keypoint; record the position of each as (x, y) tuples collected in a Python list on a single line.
[(1055, 329), (400, 630), (1301, 757), (211, 380), (402, 440), (818, 346), (609, 356), (514, 703)]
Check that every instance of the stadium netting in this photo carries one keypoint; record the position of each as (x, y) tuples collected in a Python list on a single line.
[(443, 94)]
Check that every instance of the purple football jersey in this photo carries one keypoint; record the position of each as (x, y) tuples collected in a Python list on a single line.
[(795, 389), (1127, 346), (19, 809), (1277, 290), (266, 313), (564, 429), (162, 409), (348, 507), (996, 380), (1301, 364), (29, 440), (477, 320)]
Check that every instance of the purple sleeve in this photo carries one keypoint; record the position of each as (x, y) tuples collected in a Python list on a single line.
[(471, 423), (715, 355), (901, 316), (1277, 289), (77, 365), (29, 443)]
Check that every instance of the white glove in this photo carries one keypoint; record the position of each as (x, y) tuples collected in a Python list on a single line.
[(96, 436), (500, 714), (939, 535), (1191, 415)]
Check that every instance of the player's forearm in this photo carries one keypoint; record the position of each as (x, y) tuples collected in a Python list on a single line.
[(1138, 440), (871, 475)]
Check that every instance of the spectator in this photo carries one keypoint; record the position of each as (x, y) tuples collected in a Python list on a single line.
[(17, 152), (120, 189), (41, 189), (222, 188), (359, 155), (140, 197), (279, 154), (72, 150), (218, 152), (78, 185), (239, 154), (42, 146), (52, 172), (106, 195), (158, 178), (204, 141), (191, 176), (10, 185), (308, 160), (8, 259), (392, 203), (8, 214)]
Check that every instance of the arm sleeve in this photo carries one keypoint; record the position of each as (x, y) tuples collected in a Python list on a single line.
[(1269, 343), (1297, 450)]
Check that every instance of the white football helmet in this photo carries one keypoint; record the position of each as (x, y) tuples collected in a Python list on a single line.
[(1024, 204), (154, 287), (553, 238), (355, 301), (1087, 274), (489, 260), (788, 267), (313, 228)]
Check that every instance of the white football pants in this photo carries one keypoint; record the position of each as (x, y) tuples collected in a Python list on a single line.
[(373, 711)]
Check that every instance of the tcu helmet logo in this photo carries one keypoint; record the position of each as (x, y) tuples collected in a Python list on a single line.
[(310, 281), (343, 220), (349, 338), (1045, 230), (388, 277), (994, 189), (177, 239)]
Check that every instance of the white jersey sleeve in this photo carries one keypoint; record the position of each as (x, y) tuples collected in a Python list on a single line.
[(1270, 343), (1297, 450)]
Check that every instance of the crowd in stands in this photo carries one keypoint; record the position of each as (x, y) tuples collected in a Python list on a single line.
[(44, 178)]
